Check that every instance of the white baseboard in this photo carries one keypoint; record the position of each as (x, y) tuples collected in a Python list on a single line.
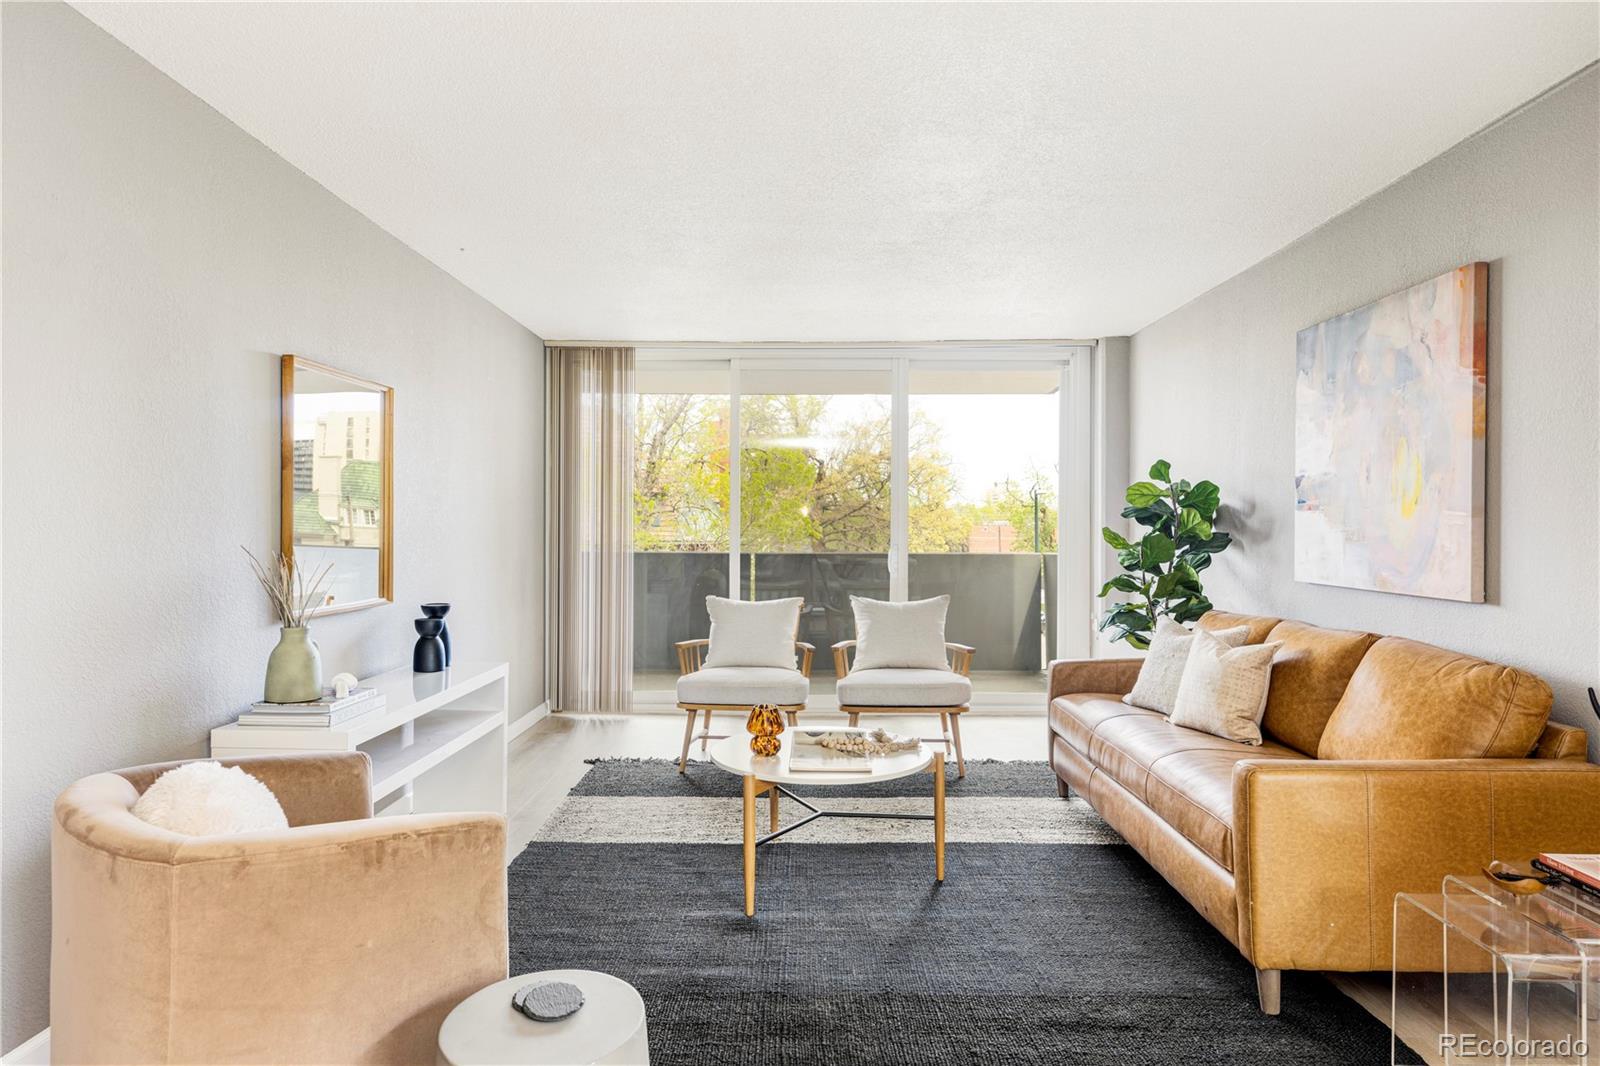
[(34, 1051), (527, 721)]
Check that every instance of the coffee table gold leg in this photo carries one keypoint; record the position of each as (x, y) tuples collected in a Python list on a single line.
[(773, 810), (749, 844), (938, 817)]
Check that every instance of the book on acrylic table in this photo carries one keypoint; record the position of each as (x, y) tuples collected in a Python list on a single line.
[(272, 719), (1582, 870)]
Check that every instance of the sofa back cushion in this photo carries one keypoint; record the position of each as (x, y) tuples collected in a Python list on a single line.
[(1309, 676), (1409, 700), (1258, 625)]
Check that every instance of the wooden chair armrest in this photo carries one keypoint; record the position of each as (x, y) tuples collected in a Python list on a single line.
[(960, 657), (691, 654), (807, 653), (841, 657)]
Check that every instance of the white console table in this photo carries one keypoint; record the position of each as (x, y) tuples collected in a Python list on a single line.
[(439, 744)]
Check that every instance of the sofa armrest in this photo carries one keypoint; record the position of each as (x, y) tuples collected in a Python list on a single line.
[(1321, 847), (326, 786), (1092, 675)]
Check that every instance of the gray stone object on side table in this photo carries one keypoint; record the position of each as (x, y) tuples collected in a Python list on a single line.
[(547, 1001)]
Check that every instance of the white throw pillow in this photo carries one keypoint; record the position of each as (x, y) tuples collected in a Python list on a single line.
[(752, 632), (1156, 688), (206, 798), (908, 635), (1224, 690)]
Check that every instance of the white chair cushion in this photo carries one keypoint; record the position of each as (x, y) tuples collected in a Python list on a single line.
[(752, 633), (904, 688), (743, 685), (900, 634)]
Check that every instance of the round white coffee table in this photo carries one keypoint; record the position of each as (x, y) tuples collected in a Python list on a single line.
[(485, 1030), (768, 774)]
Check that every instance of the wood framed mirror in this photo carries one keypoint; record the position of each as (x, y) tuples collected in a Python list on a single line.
[(337, 482)]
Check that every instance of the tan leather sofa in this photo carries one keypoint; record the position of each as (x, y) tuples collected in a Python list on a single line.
[(344, 939), (1387, 764)]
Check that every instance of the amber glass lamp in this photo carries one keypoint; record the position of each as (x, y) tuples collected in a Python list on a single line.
[(765, 724)]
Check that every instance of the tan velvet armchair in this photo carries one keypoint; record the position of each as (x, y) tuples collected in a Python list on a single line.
[(344, 939)]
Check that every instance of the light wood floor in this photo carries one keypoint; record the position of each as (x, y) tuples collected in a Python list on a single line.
[(548, 760)]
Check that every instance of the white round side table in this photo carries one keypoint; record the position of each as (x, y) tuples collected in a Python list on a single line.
[(485, 1030)]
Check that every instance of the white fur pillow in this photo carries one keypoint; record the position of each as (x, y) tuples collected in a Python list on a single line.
[(1162, 670), (907, 635), (1224, 690), (752, 633), (204, 799)]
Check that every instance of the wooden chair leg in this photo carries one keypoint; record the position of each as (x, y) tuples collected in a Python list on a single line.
[(955, 731), (855, 718), (705, 735), (1269, 990), (688, 735), (794, 719), (944, 728)]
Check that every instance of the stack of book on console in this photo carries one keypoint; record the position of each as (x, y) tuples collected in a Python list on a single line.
[(808, 753), (325, 713), (1580, 871)]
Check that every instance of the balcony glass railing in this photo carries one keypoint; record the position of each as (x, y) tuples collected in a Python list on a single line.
[(1003, 604)]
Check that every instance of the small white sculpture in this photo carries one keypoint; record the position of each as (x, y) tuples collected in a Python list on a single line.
[(342, 685)]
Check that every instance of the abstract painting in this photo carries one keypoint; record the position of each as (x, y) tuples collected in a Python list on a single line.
[(1390, 412)]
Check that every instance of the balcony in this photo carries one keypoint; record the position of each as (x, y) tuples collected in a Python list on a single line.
[(1003, 604)]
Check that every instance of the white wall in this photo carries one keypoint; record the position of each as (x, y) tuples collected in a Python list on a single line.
[(156, 262), (1213, 383)]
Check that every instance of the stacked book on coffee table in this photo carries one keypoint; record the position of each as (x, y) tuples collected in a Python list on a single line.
[(326, 712)]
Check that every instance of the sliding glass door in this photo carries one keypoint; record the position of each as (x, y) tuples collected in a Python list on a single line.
[(891, 476), (815, 494), (682, 428), (984, 448)]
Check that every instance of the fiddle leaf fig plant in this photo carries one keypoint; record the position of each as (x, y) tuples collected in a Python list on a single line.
[(1162, 568)]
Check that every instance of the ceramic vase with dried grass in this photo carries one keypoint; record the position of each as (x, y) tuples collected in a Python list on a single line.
[(294, 669)]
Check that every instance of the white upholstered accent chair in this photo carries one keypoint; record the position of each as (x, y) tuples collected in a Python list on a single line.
[(903, 665), (900, 690), (750, 658)]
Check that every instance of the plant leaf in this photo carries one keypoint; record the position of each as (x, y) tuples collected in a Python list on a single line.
[(1115, 539), (1161, 470), (1122, 583), (1204, 498), (1192, 523), (1144, 493), (1155, 549)]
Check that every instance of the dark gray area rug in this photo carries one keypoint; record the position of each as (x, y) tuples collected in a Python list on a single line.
[(1029, 953)]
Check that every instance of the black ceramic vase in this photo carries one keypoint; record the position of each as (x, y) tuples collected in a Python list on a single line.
[(428, 656), (439, 610)]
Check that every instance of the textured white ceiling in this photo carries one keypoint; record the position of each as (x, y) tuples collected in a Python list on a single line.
[(817, 172)]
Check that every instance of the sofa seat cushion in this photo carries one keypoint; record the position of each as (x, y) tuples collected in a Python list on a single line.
[(1192, 791), (1074, 718), (743, 686), (1409, 700), (1126, 749), (896, 687)]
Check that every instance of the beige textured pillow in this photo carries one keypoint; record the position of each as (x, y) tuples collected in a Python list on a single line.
[(1159, 676), (1224, 690)]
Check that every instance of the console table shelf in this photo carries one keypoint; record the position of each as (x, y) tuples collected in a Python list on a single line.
[(438, 745)]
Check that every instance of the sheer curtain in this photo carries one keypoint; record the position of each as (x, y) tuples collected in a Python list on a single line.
[(591, 398)]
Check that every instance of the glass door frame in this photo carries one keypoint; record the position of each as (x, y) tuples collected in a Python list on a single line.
[(1074, 538)]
